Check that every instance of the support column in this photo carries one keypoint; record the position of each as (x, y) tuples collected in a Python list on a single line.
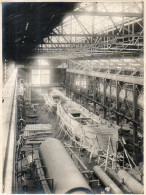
[(94, 93), (135, 114), (66, 91), (69, 84), (73, 86), (117, 101), (104, 97), (29, 98), (87, 83), (80, 99), (66, 81), (70, 93)]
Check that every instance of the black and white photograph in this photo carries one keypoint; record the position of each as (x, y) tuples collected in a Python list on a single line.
[(72, 97)]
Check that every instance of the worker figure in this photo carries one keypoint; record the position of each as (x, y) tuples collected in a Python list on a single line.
[(34, 111), (21, 124), (3, 100)]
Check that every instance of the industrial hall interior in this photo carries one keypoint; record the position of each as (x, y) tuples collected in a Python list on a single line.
[(72, 97)]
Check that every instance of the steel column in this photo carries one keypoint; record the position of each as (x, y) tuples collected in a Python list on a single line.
[(86, 92), (29, 93), (80, 99), (117, 101), (104, 97), (94, 93), (69, 85), (135, 115)]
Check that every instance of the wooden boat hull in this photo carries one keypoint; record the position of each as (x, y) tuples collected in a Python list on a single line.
[(90, 131)]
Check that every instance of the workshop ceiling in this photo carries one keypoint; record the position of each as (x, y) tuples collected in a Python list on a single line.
[(26, 24), (72, 30)]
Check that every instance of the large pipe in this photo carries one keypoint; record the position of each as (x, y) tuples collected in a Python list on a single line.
[(114, 176), (60, 167), (106, 180), (131, 183)]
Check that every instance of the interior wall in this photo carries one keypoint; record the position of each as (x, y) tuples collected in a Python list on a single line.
[(56, 79)]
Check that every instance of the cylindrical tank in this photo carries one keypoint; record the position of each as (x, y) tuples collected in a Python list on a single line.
[(106, 180), (60, 167), (131, 183)]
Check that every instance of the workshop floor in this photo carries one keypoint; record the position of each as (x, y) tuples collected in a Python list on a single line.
[(26, 182), (44, 117)]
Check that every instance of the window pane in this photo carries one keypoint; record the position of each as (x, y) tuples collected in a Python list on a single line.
[(35, 71), (36, 79), (45, 71), (45, 79)]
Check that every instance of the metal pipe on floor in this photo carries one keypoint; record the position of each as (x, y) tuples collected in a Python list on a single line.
[(131, 183), (113, 175), (106, 180), (60, 167)]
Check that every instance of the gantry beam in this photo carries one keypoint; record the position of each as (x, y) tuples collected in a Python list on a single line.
[(96, 35), (86, 44), (122, 78), (81, 55), (115, 14), (86, 56), (88, 50)]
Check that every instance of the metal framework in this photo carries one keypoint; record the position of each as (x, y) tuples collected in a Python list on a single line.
[(117, 97), (106, 32)]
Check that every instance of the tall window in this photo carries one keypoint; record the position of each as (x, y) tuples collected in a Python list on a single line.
[(40, 77), (83, 84), (77, 83)]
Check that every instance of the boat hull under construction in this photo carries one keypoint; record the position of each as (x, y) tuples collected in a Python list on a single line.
[(88, 130)]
